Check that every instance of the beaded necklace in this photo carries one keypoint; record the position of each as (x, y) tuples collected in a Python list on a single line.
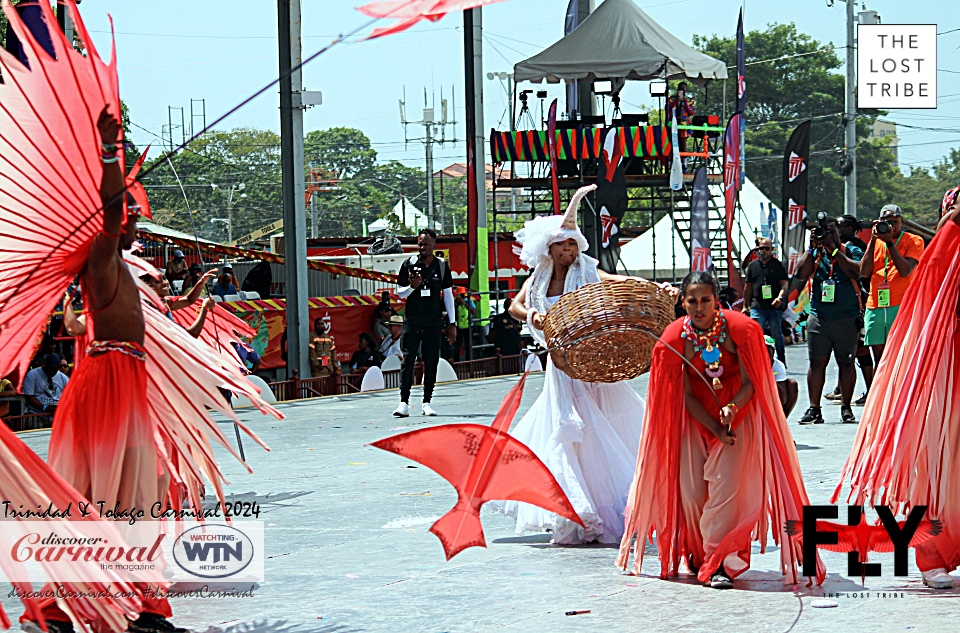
[(708, 345)]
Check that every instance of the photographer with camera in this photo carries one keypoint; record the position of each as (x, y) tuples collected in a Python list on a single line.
[(682, 102), (889, 266), (765, 292), (834, 322), (425, 282)]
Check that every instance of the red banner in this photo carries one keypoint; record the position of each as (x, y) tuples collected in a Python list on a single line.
[(731, 187)]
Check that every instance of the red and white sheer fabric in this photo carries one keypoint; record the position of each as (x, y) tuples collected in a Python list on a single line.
[(905, 451), (768, 480), (221, 329)]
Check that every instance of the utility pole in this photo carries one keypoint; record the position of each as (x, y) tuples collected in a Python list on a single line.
[(294, 188), (428, 127), (850, 115), (63, 19)]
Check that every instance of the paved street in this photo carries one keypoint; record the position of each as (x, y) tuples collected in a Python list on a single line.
[(348, 547)]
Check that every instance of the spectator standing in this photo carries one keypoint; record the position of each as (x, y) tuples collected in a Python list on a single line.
[(366, 356), (224, 286), (44, 385), (685, 109), (425, 282), (849, 227), (390, 346), (889, 265), (323, 353), (464, 307), (505, 332), (176, 267), (766, 285), (834, 322)]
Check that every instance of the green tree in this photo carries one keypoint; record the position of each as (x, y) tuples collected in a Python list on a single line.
[(343, 151), (209, 169)]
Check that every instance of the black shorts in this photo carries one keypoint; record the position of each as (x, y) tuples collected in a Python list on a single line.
[(839, 336)]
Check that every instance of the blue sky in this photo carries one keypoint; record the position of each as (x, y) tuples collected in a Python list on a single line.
[(172, 51)]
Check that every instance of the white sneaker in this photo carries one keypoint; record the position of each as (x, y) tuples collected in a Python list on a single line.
[(403, 410), (426, 409), (937, 579)]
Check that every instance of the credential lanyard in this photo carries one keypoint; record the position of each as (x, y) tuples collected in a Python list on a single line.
[(886, 260)]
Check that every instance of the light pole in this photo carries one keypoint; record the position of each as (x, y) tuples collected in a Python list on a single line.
[(229, 219), (508, 88)]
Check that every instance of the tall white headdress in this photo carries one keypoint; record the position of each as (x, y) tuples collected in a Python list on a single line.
[(538, 234)]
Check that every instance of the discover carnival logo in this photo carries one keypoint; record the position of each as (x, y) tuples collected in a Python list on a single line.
[(213, 550)]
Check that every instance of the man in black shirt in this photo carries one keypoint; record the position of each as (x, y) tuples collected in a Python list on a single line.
[(425, 282), (849, 226), (765, 292), (505, 332)]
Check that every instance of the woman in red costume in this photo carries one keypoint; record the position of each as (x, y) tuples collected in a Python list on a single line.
[(717, 467), (904, 454)]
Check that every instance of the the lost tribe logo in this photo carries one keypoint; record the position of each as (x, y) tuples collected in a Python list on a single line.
[(213, 551), (858, 538)]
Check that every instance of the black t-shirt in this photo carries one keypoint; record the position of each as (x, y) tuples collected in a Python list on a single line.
[(425, 303), (864, 281), (506, 334), (761, 275), (360, 358)]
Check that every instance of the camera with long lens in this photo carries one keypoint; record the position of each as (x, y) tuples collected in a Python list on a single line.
[(883, 226)]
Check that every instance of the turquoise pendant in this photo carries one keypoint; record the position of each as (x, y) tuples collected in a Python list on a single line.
[(710, 354)]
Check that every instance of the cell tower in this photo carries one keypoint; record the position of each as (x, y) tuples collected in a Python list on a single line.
[(435, 132)]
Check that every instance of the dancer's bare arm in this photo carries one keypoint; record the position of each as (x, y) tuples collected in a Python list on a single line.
[(73, 324), (518, 307)]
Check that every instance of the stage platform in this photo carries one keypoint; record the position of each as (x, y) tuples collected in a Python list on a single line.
[(348, 547)]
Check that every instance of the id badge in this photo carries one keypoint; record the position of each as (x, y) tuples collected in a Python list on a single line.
[(766, 292), (828, 290), (324, 361), (883, 295), (425, 292)]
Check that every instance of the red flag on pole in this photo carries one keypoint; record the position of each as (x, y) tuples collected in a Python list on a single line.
[(552, 146), (731, 186)]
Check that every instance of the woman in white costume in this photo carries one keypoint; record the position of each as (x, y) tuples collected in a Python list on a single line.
[(586, 433)]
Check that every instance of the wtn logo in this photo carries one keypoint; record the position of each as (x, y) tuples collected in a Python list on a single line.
[(221, 551), (213, 550), (858, 538)]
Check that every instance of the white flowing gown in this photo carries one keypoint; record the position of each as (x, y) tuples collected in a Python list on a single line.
[(588, 435)]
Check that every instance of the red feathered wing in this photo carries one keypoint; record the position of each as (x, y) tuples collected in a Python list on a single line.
[(653, 504), (221, 328), (483, 463), (50, 173)]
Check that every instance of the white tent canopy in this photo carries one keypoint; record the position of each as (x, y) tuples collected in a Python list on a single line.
[(619, 41), (751, 219), (404, 213)]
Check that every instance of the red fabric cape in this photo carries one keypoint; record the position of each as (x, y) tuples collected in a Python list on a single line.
[(905, 450), (654, 502)]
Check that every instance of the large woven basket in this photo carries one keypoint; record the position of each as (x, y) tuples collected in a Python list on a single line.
[(604, 332)]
